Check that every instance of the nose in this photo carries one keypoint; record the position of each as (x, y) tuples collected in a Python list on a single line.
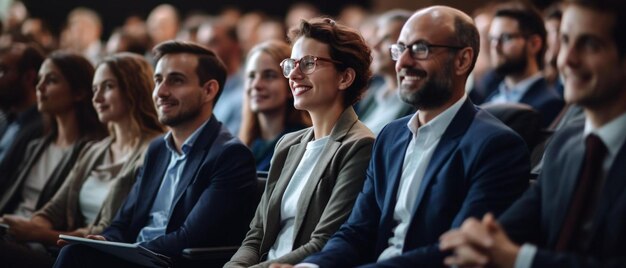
[(404, 60), (256, 83), (160, 90), (296, 73), (97, 95), (40, 85), (567, 57)]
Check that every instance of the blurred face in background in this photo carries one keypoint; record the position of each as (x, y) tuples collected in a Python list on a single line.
[(387, 33), (107, 96), (267, 88)]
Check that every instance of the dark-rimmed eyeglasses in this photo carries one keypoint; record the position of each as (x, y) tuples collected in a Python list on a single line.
[(505, 38), (418, 51), (306, 64)]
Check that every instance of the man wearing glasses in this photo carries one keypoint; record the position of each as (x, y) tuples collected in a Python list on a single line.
[(433, 169), (518, 45)]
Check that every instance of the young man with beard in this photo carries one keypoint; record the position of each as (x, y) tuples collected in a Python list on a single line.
[(433, 169), (574, 215), (518, 45), (198, 181)]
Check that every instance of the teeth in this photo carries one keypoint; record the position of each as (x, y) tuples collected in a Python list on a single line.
[(299, 90), (413, 78)]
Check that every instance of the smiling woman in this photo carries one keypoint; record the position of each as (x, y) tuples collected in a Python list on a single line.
[(268, 111), (315, 173)]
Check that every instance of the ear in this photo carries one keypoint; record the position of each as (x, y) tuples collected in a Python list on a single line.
[(210, 89), (346, 79), (463, 61)]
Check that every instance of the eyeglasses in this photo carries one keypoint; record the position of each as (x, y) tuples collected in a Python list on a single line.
[(505, 37), (307, 64), (418, 51)]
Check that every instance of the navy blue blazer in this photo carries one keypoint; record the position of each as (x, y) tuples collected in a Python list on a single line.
[(543, 98), (539, 215), (479, 165), (214, 201)]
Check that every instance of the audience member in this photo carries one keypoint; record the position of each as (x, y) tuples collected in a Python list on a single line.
[(552, 21), (574, 215), (64, 98), (105, 171), (40, 32), (518, 45), (385, 104), (316, 173), (300, 11), (162, 24), (268, 111), (85, 28), (198, 182), (432, 170), (19, 64), (222, 39)]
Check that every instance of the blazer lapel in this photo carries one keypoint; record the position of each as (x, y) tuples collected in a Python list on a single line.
[(199, 150), (572, 158), (345, 122), (272, 221), (152, 178), (398, 149), (448, 142)]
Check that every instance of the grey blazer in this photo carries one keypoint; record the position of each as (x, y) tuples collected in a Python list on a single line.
[(63, 210), (326, 200)]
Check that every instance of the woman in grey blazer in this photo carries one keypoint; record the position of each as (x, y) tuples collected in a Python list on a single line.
[(316, 173), (105, 171)]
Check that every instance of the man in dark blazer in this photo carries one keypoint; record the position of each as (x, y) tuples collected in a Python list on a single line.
[(198, 183), (518, 45), (19, 64), (575, 215), (429, 171)]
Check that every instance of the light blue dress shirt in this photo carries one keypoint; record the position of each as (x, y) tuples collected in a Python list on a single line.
[(517, 92), (162, 206)]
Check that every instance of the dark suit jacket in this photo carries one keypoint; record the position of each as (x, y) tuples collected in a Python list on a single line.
[(214, 201), (479, 165), (11, 196), (31, 127), (539, 215), (543, 98)]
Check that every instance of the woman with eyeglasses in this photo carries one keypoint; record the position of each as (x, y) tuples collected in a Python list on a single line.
[(316, 173), (268, 111)]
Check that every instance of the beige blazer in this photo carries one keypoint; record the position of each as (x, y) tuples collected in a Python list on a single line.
[(327, 198), (63, 210)]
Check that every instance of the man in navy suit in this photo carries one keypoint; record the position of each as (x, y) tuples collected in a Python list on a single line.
[(575, 215), (432, 170), (198, 181), (518, 45)]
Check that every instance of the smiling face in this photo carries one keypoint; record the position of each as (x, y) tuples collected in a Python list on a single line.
[(177, 94), (107, 96), (265, 85), (54, 95), (386, 34), (319, 90), (594, 72), (426, 83)]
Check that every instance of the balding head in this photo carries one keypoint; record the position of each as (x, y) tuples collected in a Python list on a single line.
[(442, 45)]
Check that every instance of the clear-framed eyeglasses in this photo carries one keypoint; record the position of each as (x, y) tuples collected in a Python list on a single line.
[(418, 51), (306, 64)]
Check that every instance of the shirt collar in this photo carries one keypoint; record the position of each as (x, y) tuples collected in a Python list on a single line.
[(437, 125), (518, 90), (188, 144), (611, 134)]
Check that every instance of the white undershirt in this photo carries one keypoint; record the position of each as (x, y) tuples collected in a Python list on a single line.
[(97, 186), (288, 210)]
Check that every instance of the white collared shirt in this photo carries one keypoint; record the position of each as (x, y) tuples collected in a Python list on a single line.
[(416, 159)]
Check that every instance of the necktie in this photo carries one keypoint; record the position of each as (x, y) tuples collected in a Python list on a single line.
[(595, 151)]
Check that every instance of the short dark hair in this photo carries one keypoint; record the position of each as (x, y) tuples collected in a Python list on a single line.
[(346, 45), (530, 22), (614, 8), (210, 66), (466, 35)]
